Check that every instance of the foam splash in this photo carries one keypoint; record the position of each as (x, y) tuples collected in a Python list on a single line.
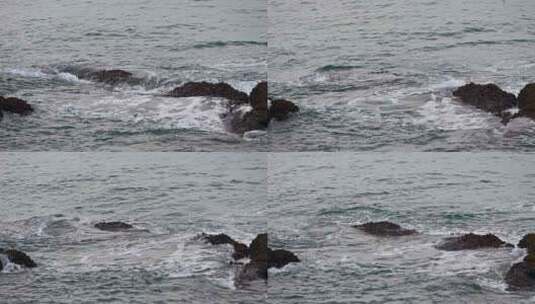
[(445, 114)]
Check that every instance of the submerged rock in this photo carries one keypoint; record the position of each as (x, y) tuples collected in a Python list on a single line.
[(472, 241), (281, 109), (223, 90), (526, 101), (17, 257), (112, 77), (522, 275), (15, 105), (384, 228), (113, 226)]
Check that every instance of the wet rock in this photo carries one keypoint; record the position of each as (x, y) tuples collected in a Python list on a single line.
[(280, 258), (111, 77), (113, 226), (15, 105), (223, 90), (240, 250), (528, 242), (522, 275), (259, 97), (472, 241), (526, 101), (488, 97), (384, 228), (281, 109), (17, 257)]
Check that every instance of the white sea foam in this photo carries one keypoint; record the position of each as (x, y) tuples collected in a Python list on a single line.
[(446, 114)]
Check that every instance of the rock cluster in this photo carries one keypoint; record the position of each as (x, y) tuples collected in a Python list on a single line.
[(259, 112), (260, 255), (492, 99)]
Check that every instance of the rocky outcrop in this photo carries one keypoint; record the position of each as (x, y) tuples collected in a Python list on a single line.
[(246, 112), (526, 101), (528, 242), (222, 90), (240, 250), (488, 97), (15, 105), (472, 241), (17, 257), (281, 109), (384, 229), (260, 255), (113, 226), (491, 98), (522, 275)]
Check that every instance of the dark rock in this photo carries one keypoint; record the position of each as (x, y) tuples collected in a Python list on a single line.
[(522, 275), (218, 239), (281, 109), (240, 250), (384, 229), (258, 249), (472, 241), (488, 97), (15, 105), (113, 226), (526, 101), (280, 258), (254, 270), (222, 90), (112, 77), (18, 257), (259, 97), (528, 242)]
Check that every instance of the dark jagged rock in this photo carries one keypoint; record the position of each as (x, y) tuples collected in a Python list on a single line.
[(258, 117), (259, 97), (261, 256), (221, 89), (526, 101), (240, 250), (218, 239), (522, 275), (488, 97), (281, 109), (113, 226), (528, 242), (15, 105), (280, 258), (472, 241), (17, 257), (384, 229)]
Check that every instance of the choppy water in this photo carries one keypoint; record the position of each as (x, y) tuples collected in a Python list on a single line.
[(368, 75), (165, 42), (307, 202), (50, 203), (316, 198), (376, 75)]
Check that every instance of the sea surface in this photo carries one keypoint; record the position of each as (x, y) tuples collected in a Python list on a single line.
[(367, 75), (307, 202)]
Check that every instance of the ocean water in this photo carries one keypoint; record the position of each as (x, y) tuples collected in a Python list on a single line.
[(315, 198), (368, 75), (378, 75), (306, 201), (164, 42), (50, 202)]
